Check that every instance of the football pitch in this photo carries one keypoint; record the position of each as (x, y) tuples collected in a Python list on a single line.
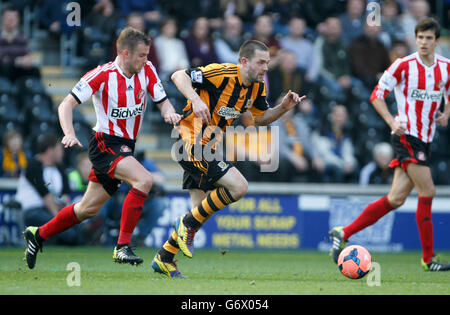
[(90, 270)]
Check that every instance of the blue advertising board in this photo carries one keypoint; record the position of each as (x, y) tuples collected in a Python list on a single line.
[(286, 221)]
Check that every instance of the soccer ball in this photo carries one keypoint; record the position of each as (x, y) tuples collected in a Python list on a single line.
[(354, 261)]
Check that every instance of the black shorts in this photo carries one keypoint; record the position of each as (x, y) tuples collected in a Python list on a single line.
[(409, 149), (200, 172), (105, 152)]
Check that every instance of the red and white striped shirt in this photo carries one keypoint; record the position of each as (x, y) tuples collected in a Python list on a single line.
[(119, 102), (418, 91)]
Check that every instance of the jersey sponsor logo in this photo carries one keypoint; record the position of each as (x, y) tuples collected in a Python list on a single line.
[(127, 112), (228, 112), (424, 95)]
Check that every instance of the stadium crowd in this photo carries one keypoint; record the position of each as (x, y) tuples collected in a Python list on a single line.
[(323, 49)]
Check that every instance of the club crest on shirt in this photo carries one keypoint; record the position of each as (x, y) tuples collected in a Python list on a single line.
[(441, 84), (141, 94), (248, 104)]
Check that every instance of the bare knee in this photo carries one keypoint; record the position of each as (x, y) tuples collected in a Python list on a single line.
[(239, 189), (397, 200), (144, 182)]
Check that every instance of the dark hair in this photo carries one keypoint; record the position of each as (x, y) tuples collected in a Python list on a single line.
[(46, 142), (426, 24), (129, 38), (248, 48)]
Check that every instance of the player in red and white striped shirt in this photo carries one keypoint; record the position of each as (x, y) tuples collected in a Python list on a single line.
[(420, 82), (119, 93)]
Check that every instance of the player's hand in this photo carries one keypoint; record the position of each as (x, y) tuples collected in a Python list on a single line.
[(172, 118), (291, 99), (442, 119), (69, 141), (398, 127), (201, 111)]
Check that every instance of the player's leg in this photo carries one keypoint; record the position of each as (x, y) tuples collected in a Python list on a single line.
[(230, 187), (400, 189), (91, 203), (129, 170), (423, 181), (163, 262)]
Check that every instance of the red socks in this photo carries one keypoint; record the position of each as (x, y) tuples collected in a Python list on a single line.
[(425, 225), (64, 219), (371, 214), (131, 212)]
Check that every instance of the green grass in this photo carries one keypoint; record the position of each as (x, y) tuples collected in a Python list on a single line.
[(252, 272)]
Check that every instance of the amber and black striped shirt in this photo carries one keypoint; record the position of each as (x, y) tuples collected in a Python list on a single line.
[(221, 89)]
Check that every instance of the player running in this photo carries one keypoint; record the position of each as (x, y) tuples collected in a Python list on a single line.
[(119, 94), (419, 81), (217, 94)]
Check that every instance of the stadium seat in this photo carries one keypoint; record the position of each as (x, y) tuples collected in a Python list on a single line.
[(10, 109)]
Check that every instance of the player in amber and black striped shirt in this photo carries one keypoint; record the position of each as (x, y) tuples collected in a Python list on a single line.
[(217, 94)]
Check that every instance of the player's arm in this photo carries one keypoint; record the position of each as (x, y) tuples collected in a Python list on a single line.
[(65, 114), (168, 112), (290, 100), (381, 107), (442, 117), (184, 84)]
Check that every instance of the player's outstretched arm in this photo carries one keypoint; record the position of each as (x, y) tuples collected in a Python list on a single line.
[(290, 100), (168, 112), (65, 115)]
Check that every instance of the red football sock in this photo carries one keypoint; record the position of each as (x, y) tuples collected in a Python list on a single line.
[(131, 212), (425, 225), (65, 219), (371, 214)]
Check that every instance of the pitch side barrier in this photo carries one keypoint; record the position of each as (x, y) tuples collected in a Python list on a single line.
[(285, 216)]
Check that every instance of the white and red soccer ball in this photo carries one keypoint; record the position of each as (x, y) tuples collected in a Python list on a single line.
[(354, 261)]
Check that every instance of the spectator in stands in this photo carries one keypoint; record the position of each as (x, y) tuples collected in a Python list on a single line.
[(51, 16), (299, 158), (150, 10), (102, 23), (353, 20), (171, 51), (390, 21), (230, 40), (399, 49), (378, 171), (78, 178), (297, 43), (13, 158), (200, 45), (419, 9), (136, 20), (365, 48), (15, 57), (284, 77), (43, 187), (336, 148), (331, 65), (263, 31)]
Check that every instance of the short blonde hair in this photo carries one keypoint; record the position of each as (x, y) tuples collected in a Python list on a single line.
[(129, 38)]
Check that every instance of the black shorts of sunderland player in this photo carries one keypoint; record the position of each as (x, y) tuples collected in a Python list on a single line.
[(409, 149), (199, 172), (105, 152)]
